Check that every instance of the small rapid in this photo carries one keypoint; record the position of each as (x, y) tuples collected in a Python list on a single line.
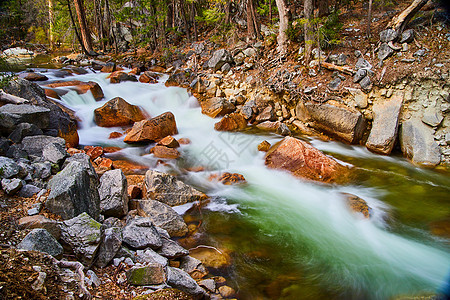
[(308, 223)]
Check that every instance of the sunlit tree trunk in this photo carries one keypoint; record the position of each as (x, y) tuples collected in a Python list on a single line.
[(369, 19), (252, 22), (75, 28), (85, 35), (50, 23), (309, 34), (284, 23)]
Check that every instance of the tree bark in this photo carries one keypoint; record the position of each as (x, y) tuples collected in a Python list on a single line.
[(323, 8), (252, 22), (50, 23), (284, 23), (185, 21), (85, 34), (309, 34), (369, 19), (75, 28), (399, 22)]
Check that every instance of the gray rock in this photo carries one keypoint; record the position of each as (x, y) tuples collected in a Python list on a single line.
[(16, 152), (225, 68), (54, 153), (418, 144), (384, 51), (85, 161), (338, 120), (358, 53), (190, 264), (8, 168), (113, 193), (341, 59), (129, 261), (171, 249), (359, 97), (208, 284), (420, 53), (34, 145), (147, 275), (447, 138), (92, 279), (162, 215), (25, 113), (40, 240), (407, 36), (22, 130), (385, 124), (111, 244), (124, 252), (28, 190), (432, 117), (362, 64), (309, 89), (366, 83), (74, 191), (219, 58), (140, 233), (4, 146), (150, 256), (247, 111), (388, 35), (360, 74), (83, 235), (167, 189), (334, 85), (112, 222), (250, 52), (42, 170), (11, 186), (283, 130), (267, 114), (181, 280)]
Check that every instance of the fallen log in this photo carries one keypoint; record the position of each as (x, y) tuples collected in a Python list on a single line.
[(342, 69), (8, 98), (399, 22)]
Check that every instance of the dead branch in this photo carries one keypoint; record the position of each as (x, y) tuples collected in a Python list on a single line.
[(399, 22), (332, 67), (78, 267), (11, 98)]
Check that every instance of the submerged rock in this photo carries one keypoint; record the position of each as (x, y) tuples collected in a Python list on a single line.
[(152, 130), (358, 205), (169, 190), (117, 112), (303, 160), (119, 76)]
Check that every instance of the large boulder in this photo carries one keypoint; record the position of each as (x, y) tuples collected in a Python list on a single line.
[(385, 125), (32, 76), (22, 130), (41, 240), (119, 76), (35, 145), (8, 168), (216, 106), (81, 87), (113, 193), (62, 121), (152, 130), (162, 216), (219, 58), (140, 233), (117, 112), (418, 144), (231, 122), (83, 235), (181, 280), (303, 160), (12, 115), (74, 191), (333, 118), (169, 190)]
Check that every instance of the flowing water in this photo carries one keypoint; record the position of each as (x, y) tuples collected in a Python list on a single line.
[(289, 238)]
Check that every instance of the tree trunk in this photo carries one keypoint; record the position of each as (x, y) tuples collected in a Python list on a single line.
[(75, 28), (309, 33), (369, 19), (50, 23), (284, 23), (183, 16), (399, 22), (252, 22), (194, 23), (85, 34), (323, 8)]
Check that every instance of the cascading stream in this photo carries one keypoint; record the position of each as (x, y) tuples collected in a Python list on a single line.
[(309, 221)]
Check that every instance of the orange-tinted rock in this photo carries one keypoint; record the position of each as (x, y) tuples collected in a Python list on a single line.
[(158, 69), (184, 141), (137, 180), (152, 130), (149, 77), (81, 87), (216, 106), (102, 164), (231, 178), (135, 71), (264, 146), (94, 152), (71, 136), (358, 205), (117, 112), (119, 76), (165, 152), (128, 167), (134, 192), (303, 160), (211, 257), (231, 122), (54, 93), (31, 76), (73, 151), (109, 67), (39, 221), (196, 169), (111, 149), (441, 228), (169, 141), (115, 135), (227, 292)]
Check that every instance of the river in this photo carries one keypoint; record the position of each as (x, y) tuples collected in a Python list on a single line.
[(289, 238)]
